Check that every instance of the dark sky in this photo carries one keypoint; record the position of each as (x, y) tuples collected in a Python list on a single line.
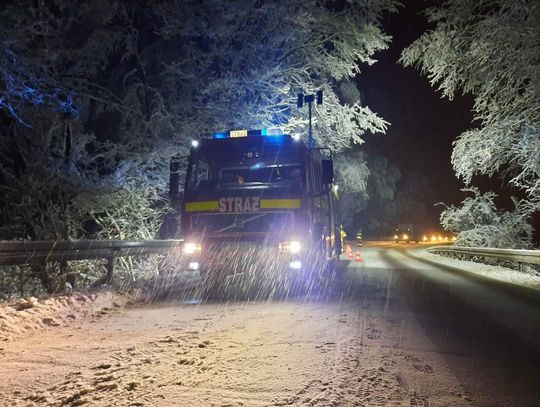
[(423, 125)]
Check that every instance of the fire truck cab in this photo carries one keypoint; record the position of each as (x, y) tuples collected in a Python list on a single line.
[(260, 203)]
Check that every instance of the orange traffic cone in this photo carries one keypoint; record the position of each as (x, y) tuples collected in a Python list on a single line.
[(357, 258)]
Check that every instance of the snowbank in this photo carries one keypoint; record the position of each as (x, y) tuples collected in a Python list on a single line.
[(523, 278), (23, 316)]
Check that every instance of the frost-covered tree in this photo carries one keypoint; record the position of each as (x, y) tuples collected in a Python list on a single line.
[(114, 153), (24, 79), (480, 224), (375, 210), (491, 50), (245, 62), (21, 84), (352, 174)]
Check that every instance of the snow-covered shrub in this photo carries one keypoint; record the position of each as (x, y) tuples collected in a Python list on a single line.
[(479, 224)]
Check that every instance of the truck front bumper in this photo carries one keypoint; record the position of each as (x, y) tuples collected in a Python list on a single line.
[(237, 258)]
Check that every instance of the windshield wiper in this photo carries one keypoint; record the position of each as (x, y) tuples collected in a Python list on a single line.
[(243, 222)]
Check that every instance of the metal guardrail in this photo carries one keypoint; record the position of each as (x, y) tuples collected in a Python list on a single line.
[(40, 252), (513, 255)]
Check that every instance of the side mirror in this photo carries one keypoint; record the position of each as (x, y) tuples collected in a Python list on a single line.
[(175, 195), (327, 171), (318, 231), (174, 177)]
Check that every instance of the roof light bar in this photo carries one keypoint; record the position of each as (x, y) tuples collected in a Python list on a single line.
[(272, 132), (238, 133), (248, 133)]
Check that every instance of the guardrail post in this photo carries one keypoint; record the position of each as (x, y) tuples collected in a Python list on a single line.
[(67, 276), (110, 269), (43, 273)]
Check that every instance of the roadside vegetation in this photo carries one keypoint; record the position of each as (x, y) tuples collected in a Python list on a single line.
[(489, 49)]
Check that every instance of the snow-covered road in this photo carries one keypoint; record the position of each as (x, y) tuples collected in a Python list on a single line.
[(394, 332)]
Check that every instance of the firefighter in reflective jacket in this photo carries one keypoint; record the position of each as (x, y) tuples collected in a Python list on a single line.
[(359, 238)]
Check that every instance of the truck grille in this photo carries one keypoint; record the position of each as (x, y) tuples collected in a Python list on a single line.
[(263, 222)]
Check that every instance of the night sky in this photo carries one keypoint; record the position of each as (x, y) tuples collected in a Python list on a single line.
[(423, 125)]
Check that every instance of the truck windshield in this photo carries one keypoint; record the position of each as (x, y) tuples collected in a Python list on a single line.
[(231, 177), (246, 163), (206, 176)]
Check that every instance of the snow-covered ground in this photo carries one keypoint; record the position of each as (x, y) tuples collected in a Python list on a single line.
[(379, 339), (24, 316), (523, 278), (238, 354)]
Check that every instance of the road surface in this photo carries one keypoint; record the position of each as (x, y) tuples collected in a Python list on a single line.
[(394, 331)]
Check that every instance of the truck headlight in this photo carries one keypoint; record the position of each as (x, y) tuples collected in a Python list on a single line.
[(295, 265), (295, 247), (190, 248), (292, 247)]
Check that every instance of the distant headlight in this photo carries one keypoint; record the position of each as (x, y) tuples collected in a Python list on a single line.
[(190, 248), (405, 236), (396, 237), (425, 239)]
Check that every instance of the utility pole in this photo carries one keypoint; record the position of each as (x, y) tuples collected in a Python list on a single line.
[(309, 99)]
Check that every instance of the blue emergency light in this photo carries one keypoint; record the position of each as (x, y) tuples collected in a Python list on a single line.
[(248, 133), (218, 135)]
